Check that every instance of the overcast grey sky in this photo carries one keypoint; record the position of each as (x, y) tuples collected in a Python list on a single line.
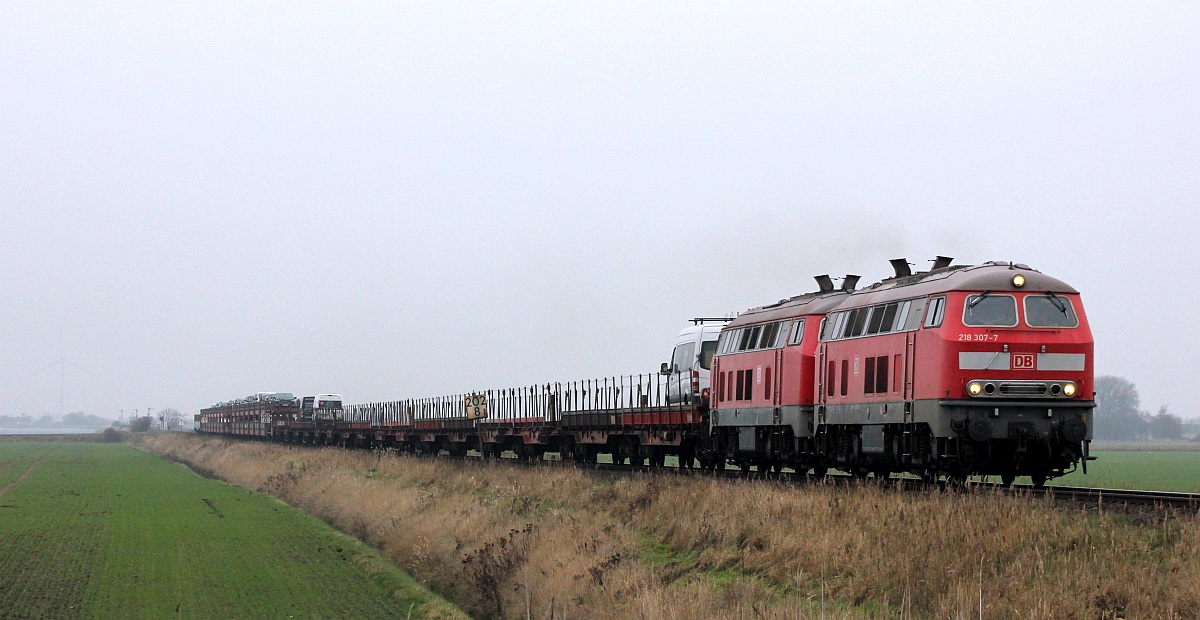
[(398, 199)]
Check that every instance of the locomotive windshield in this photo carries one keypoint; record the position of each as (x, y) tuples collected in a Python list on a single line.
[(990, 311), (1047, 311)]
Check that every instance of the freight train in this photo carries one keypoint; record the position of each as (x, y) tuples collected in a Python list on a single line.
[(955, 371)]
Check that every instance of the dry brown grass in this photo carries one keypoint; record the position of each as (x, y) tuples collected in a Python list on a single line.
[(559, 542)]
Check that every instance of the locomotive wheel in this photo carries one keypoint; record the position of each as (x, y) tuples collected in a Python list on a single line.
[(1039, 480)]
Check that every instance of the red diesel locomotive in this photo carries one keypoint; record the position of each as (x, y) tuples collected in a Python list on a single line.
[(959, 370)]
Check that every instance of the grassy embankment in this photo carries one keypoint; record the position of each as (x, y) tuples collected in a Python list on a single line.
[(109, 531), (562, 542)]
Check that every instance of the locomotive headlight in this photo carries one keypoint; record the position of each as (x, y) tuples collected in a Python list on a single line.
[(1018, 280), (1069, 389), (974, 388)]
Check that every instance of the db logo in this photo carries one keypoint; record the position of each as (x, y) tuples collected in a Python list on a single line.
[(1023, 361)]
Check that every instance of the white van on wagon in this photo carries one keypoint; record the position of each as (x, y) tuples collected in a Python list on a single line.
[(688, 371)]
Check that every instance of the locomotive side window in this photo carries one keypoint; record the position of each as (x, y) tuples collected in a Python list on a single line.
[(723, 341), (797, 332), (889, 318), (785, 328), (915, 312), (752, 340), (845, 376), (829, 377), (876, 321), (933, 316), (869, 376), (839, 322), (769, 331), (757, 337), (990, 311), (1047, 311), (744, 340), (857, 323), (833, 324), (902, 315)]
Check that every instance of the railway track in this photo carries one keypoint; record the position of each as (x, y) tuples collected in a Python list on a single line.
[(1074, 495), (1077, 495), (1131, 497)]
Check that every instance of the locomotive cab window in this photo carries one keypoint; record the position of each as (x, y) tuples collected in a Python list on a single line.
[(1049, 311), (987, 310)]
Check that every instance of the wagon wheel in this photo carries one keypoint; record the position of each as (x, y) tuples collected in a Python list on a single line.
[(1008, 479), (686, 458), (1039, 480)]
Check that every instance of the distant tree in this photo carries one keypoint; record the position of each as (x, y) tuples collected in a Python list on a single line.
[(141, 425), (1117, 414), (1165, 425), (79, 419), (171, 419)]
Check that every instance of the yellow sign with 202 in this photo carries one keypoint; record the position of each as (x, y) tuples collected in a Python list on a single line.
[(476, 406)]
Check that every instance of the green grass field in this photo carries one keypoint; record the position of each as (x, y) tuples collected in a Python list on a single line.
[(1147, 470), (108, 531)]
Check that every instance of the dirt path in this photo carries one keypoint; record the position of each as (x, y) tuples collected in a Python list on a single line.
[(24, 474)]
